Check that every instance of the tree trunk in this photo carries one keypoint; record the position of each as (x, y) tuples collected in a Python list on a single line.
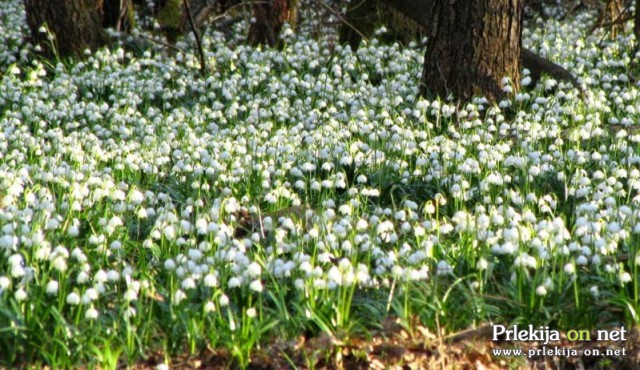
[(118, 14), (476, 43), (269, 18), (636, 23), (75, 25)]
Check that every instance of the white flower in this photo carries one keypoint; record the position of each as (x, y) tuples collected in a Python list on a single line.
[(188, 284), (113, 276), (115, 245), (129, 312), (100, 277), (52, 287), (256, 286), (178, 297), (570, 268), (541, 290), (73, 231), (136, 197), (444, 268), (223, 300), (209, 307), (89, 295), (91, 314), (169, 232), (482, 264), (251, 312), (5, 282), (210, 281), (234, 282), (169, 264), (59, 263), (582, 260), (254, 269), (130, 295), (20, 295), (625, 277), (142, 213), (73, 299)]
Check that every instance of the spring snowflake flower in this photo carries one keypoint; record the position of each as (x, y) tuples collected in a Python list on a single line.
[(251, 312), (444, 268), (254, 269), (115, 245), (223, 300), (129, 313), (570, 268), (90, 295), (17, 270), (178, 297), (73, 299), (136, 197), (234, 282), (169, 232), (482, 264), (82, 278), (142, 213), (256, 286), (52, 288), (91, 314), (73, 231), (188, 284), (541, 290), (20, 295), (209, 307), (581, 260), (169, 264), (625, 277), (113, 276), (210, 281)]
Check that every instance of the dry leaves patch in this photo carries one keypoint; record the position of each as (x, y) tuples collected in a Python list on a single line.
[(394, 348)]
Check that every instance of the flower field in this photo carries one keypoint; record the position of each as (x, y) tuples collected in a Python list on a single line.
[(146, 210)]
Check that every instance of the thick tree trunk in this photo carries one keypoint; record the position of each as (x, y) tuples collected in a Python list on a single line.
[(421, 12), (269, 18), (76, 25), (476, 44)]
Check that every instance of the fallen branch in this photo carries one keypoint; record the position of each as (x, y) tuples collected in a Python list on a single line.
[(538, 65)]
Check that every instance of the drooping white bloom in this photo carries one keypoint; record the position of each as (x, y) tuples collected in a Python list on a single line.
[(91, 314), (252, 312), (256, 286), (73, 299), (52, 287)]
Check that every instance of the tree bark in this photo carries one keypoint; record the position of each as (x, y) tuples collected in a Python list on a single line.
[(421, 12), (636, 23), (269, 19), (76, 25), (118, 14), (475, 45)]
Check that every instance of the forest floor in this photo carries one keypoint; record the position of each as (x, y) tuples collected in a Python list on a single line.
[(394, 348)]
